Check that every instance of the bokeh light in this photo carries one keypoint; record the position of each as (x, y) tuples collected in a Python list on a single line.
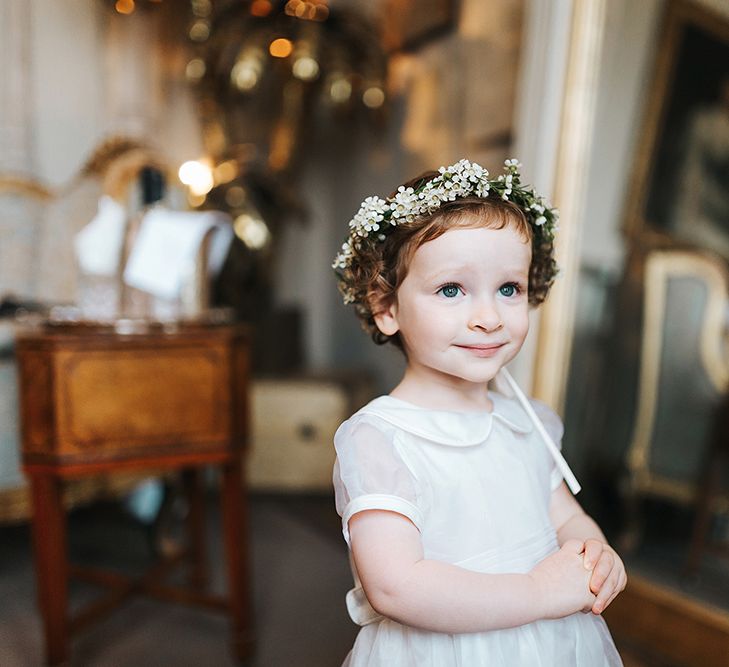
[(125, 6), (197, 176), (305, 68), (373, 97), (281, 48), (195, 69), (252, 230)]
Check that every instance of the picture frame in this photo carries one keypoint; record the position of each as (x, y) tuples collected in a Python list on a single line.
[(680, 186)]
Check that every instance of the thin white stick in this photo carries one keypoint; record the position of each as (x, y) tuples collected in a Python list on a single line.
[(553, 450)]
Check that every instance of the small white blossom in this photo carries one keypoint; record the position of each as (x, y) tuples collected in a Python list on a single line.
[(462, 179), (402, 202)]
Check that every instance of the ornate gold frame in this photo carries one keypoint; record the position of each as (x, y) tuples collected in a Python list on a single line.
[(659, 267), (679, 14), (24, 186)]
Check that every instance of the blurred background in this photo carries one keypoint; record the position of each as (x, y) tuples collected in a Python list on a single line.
[(173, 163)]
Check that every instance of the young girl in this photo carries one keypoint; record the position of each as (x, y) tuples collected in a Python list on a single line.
[(467, 546)]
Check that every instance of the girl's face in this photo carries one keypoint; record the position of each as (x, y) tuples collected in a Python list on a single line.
[(462, 309)]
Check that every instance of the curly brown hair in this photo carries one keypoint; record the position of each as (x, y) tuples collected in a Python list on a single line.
[(378, 267)]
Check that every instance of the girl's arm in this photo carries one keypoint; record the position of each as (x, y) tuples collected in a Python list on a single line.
[(570, 520), (404, 586), (608, 577)]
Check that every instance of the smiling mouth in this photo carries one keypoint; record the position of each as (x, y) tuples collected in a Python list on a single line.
[(482, 350)]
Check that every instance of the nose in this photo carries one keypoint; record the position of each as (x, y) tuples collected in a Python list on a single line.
[(484, 317)]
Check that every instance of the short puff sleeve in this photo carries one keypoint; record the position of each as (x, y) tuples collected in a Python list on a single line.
[(554, 427), (370, 473)]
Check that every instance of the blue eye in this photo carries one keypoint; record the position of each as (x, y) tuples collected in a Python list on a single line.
[(509, 290), (449, 291)]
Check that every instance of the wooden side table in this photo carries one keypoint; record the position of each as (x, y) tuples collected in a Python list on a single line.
[(96, 401)]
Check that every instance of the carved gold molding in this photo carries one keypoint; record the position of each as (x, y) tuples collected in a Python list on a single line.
[(25, 186), (660, 266)]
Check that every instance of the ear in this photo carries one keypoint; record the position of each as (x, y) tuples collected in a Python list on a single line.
[(386, 318)]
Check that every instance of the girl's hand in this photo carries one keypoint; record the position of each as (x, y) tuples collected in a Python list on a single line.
[(608, 573), (562, 581)]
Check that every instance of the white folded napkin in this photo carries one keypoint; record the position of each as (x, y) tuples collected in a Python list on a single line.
[(164, 252)]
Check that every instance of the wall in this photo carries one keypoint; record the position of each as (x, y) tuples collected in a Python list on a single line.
[(453, 98)]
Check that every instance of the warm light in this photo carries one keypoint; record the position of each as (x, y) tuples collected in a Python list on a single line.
[(251, 230), (226, 171), (197, 176), (246, 71), (310, 10), (280, 48), (195, 69), (235, 196), (195, 200), (305, 68), (199, 31), (202, 8), (340, 90), (373, 97), (124, 6), (261, 8)]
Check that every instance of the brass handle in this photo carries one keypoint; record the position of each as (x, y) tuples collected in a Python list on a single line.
[(307, 431)]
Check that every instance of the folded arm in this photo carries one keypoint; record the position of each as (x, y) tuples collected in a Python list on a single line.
[(404, 586), (608, 576)]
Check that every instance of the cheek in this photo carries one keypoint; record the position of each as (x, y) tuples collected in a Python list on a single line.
[(519, 323)]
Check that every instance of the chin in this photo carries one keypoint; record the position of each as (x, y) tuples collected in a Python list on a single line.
[(485, 373)]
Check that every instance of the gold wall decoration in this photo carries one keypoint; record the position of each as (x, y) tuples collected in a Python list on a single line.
[(660, 268), (680, 185)]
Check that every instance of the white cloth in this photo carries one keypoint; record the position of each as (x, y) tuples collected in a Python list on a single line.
[(477, 486), (99, 244), (164, 253)]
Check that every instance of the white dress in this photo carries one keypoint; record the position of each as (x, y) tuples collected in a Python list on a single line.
[(477, 486)]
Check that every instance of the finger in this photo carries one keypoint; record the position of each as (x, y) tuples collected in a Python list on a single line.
[(601, 572), (608, 588), (593, 551)]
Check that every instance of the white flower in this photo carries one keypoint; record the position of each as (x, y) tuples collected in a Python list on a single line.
[(402, 202), (461, 179), (482, 189)]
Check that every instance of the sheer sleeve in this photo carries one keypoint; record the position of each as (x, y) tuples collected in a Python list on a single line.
[(555, 428), (369, 473)]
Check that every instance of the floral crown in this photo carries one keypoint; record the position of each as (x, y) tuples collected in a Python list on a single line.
[(376, 216)]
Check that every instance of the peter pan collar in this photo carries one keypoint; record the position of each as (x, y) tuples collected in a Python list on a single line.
[(450, 427)]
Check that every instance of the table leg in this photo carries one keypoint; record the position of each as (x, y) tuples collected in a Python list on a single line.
[(51, 563), (195, 491), (235, 535)]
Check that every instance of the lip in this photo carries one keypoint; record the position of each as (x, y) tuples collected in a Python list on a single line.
[(482, 350)]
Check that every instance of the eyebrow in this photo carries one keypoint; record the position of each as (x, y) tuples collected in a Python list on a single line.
[(448, 271)]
